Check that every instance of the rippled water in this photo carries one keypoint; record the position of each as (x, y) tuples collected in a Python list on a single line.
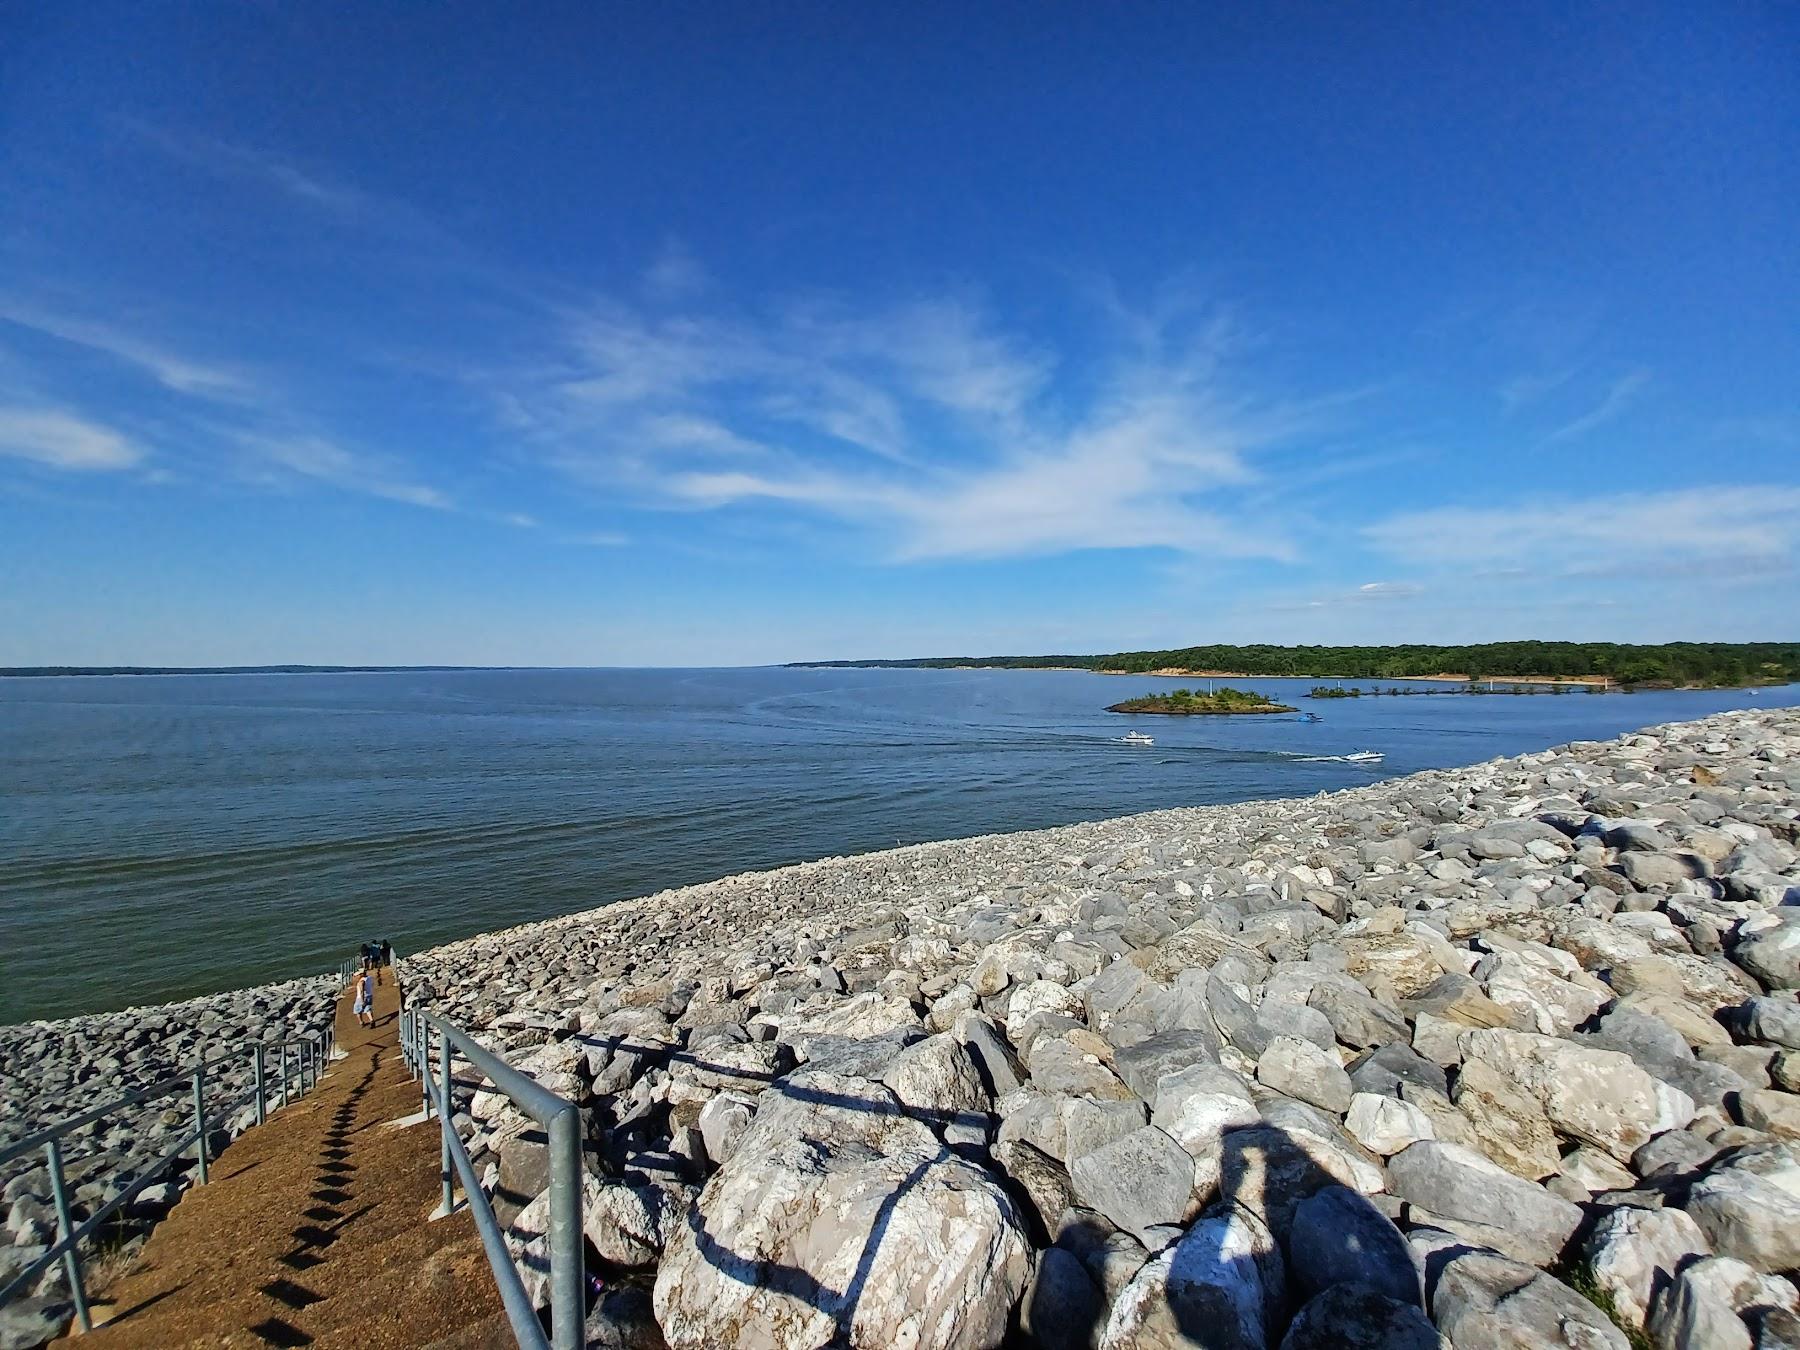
[(169, 835)]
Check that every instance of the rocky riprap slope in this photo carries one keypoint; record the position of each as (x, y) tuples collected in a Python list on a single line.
[(1498, 1056), (50, 1071)]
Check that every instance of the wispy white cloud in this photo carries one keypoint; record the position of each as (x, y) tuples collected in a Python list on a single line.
[(1370, 593), (1625, 533), (228, 159), (675, 274), (1619, 396), (169, 368), (63, 440), (321, 460), (922, 422), (1523, 390)]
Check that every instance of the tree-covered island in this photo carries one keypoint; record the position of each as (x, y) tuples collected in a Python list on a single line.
[(1187, 703), (1620, 664)]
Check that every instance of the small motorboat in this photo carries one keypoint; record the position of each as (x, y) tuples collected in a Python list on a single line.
[(1311, 717), (1137, 738), (1365, 757)]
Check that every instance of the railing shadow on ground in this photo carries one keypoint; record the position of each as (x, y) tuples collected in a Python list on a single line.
[(311, 1057)]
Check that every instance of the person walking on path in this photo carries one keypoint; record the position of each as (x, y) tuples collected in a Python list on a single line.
[(364, 1007)]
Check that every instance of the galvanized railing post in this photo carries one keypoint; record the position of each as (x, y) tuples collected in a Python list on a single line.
[(200, 1119), (262, 1107), (59, 1193), (444, 1117), (567, 1299), (284, 1073)]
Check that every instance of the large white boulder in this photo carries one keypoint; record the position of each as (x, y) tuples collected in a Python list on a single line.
[(1600, 1097), (840, 1221)]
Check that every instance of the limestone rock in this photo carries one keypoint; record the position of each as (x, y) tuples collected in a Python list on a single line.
[(1300, 1069), (1482, 1299), (1598, 1096), (1355, 1317), (1748, 1204), (1140, 1181), (1220, 1286), (1634, 1254), (1338, 1237), (1458, 1183), (802, 1244), (1704, 1306), (1386, 1125)]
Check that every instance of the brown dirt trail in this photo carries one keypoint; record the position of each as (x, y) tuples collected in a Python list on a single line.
[(314, 1230)]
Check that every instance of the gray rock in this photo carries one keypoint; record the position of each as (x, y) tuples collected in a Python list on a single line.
[(936, 1080), (1386, 1125), (1704, 1305), (1774, 1113), (1144, 1064), (993, 1057), (1043, 1181), (1634, 1254), (722, 1123), (623, 1319), (1358, 1019), (1673, 1153), (1088, 1125), (1057, 1064), (1221, 1286), (1355, 1317), (1301, 1069), (1063, 1309), (1482, 1299), (1338, 1237), (1748, 1204), (1385, 1068), (1140, 1181), (1458, 1183), (1111, 990), (1773, 957), (26, 1323), (1774, 1021)]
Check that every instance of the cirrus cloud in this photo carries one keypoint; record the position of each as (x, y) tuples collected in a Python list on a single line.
[(922, 423), (1747, 527), (64, 441)]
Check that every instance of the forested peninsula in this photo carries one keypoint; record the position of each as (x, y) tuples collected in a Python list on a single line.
[(1664, 665)]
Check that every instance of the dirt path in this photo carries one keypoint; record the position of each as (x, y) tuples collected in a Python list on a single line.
[(313, 1230)]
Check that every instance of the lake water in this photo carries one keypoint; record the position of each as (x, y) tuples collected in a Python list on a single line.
[(165, 836)]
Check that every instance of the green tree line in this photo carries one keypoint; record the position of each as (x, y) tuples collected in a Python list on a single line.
[(1703, 663)]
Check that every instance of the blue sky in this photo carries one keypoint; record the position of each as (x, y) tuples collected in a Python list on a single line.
[(587, 334)]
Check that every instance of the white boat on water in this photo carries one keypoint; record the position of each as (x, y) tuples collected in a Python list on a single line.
[(1365, 757), (1137, 738)]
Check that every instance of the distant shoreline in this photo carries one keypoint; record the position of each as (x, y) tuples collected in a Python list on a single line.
[(1183, 673), (59, 672)]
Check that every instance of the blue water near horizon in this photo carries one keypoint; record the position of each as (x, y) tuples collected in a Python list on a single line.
[(164, 836)]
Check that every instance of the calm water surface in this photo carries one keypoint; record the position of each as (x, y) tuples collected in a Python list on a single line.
[(165, 836)]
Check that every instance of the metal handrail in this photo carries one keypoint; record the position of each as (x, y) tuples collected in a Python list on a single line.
[(562, 1120), (313, 1052)]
